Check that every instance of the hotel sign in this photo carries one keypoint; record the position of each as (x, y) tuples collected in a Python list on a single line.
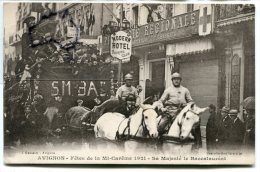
[(121, 46), (176, 27)]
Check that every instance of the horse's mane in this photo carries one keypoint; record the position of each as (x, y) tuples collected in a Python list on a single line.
[(106, 106)]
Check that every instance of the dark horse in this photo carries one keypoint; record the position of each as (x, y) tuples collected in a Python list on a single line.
[(80, 121)]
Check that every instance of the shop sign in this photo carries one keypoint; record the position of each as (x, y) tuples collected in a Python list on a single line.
[(83, 88), (177, 27), (121, 46)]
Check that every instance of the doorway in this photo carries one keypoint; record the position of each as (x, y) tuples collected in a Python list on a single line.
[(157, 75)]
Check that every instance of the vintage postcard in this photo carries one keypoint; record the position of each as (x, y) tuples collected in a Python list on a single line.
[(129, 83)]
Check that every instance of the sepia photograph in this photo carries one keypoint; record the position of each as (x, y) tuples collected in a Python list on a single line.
[(162, 83)]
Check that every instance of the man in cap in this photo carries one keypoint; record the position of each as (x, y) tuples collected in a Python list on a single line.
[(127, 108), (172, 101), (127, 88), (233, 130), (220, 135), (224, 112)]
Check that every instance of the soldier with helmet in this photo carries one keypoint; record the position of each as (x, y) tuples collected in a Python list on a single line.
[(127, 88), (173, 99), (171, 103)]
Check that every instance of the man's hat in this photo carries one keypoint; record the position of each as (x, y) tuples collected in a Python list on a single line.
[(128, 76), (225, 109), (249, 103), (233, 112), (29, 19), (79, 101)]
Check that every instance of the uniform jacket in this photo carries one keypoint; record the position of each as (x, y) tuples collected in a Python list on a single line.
[(176, 96), (124, 91)]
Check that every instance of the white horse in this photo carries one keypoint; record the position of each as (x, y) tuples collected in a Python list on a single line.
[(180, 130), (111, 125)]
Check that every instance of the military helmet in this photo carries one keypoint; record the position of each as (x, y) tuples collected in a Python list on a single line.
[(176, 75), (130, 97), (128, 76)]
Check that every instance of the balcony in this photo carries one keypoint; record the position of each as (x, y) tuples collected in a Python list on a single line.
[(230, 14), (225, 11)]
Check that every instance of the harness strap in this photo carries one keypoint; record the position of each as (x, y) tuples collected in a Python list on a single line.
[(128, 136), (176, 140), (118, 137)]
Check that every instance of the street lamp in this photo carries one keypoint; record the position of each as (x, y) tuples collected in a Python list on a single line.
[(126, 24)]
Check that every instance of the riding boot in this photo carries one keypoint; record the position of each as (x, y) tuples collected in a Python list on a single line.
[(162, 126)]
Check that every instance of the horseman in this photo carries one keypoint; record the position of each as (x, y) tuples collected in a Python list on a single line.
[(172, 101), (126, 89)]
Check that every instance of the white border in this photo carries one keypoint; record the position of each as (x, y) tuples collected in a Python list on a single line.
[(230, 169)]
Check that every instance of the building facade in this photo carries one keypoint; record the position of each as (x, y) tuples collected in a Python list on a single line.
[(235, 39), (199, 41), (212, 46)]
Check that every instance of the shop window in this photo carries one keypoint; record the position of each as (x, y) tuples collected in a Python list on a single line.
[(235, 82), (135, 15)]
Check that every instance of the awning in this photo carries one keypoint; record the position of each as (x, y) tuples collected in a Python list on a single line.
[(190, 47), (236, 20)]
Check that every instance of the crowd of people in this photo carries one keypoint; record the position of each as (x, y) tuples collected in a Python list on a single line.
[(25, 122), (226, 130)]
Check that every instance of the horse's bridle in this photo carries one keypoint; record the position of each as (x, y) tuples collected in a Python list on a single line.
[(184, 115), (145, 130)]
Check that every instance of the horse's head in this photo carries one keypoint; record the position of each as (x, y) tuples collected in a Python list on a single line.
[(187, 118), (150, 119)]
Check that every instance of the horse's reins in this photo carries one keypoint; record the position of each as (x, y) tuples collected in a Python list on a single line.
[(142, 124)]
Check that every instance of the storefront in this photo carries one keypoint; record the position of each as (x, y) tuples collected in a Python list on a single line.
[(175, 45)]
